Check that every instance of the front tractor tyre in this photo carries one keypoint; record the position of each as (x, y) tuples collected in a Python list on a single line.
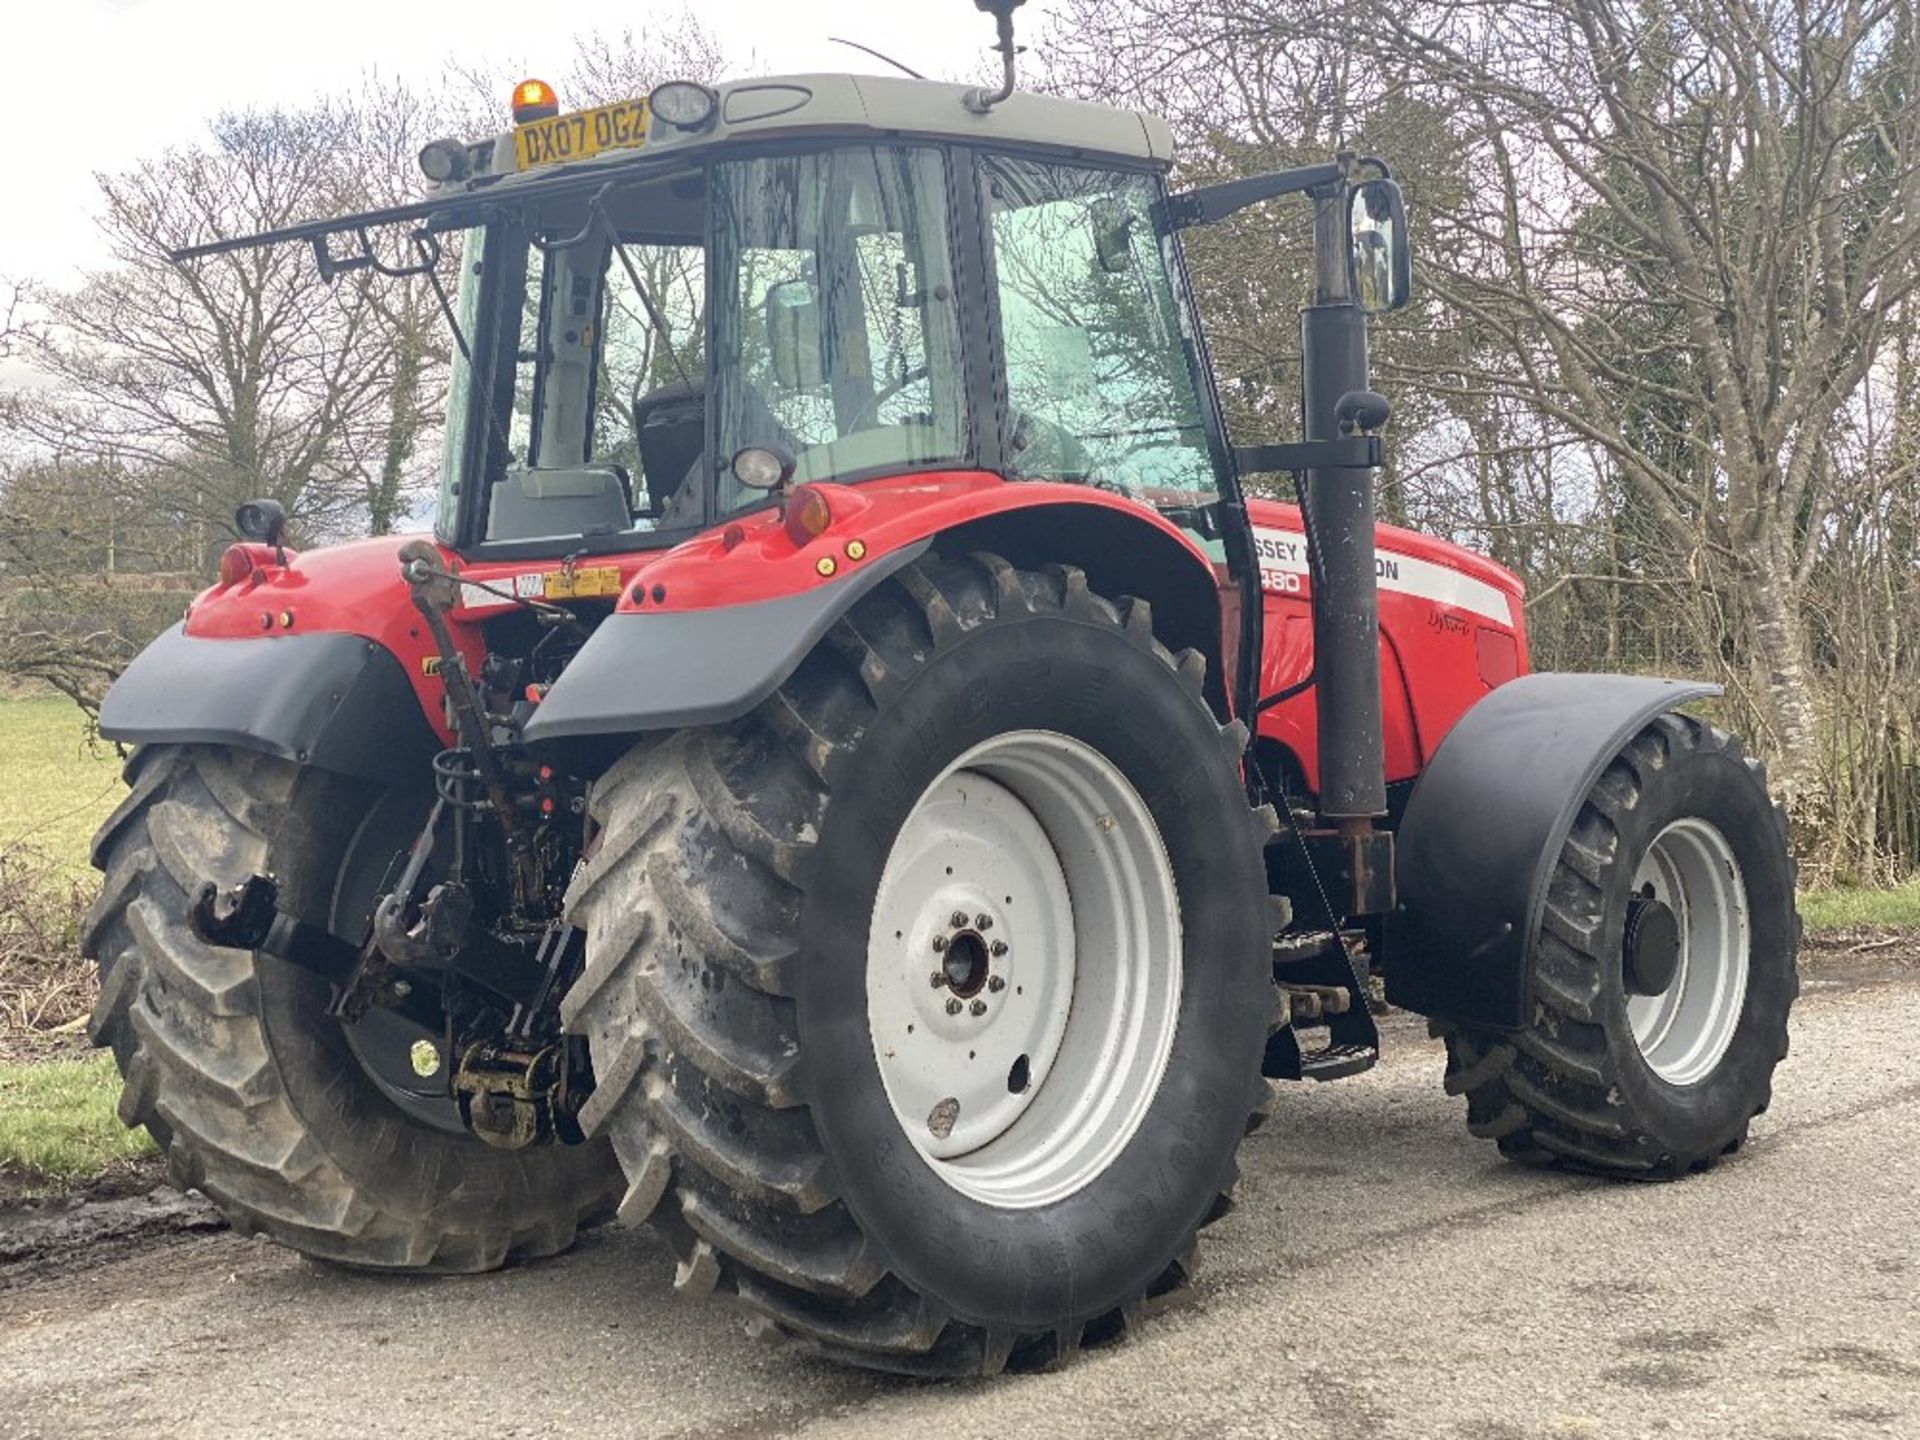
[(1662, 976), (927, 1002), (253, 1093)]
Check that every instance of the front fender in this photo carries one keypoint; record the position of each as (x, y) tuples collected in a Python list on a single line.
[(1484, 829), (327, 699)]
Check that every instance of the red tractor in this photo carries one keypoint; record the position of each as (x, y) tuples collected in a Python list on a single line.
[(852, 779)]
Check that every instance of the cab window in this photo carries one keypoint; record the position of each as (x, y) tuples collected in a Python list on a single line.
[(1100, 388), (836, 332)]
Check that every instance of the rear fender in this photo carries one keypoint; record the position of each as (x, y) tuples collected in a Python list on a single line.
[(335, 701), (1483, 832), (708, 631)]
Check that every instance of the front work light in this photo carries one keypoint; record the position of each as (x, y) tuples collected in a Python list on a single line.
[(683, 104), (762, 467), (534, 100), (443, 161)]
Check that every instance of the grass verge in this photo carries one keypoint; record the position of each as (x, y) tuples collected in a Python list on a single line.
[(1843, 906), (57, 1119)]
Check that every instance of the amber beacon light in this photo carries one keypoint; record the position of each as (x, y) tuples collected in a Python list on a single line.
[(534, 100)]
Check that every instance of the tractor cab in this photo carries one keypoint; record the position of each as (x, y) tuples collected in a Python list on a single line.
[(836, 277)]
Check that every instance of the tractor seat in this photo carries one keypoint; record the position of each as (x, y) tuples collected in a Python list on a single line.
[(670, 429), (544, 504)]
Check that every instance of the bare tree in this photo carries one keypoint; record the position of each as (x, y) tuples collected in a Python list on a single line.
[(241, 374), (1684, 229)]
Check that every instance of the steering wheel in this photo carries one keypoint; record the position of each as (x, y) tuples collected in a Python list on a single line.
[(867, 417)]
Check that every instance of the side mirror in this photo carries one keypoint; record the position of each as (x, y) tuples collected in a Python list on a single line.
[(1112, 224), (1380, 257), (793, 335)]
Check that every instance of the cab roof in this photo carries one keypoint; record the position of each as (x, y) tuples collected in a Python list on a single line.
[(879, 107), (769, 109)]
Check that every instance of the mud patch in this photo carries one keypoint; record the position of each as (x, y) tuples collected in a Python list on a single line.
[(1864, 1360), (1854, 956), (1658, 1375), (1684, 1342), (44, 1231)]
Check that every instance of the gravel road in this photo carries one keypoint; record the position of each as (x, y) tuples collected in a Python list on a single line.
[(1382, 1277)]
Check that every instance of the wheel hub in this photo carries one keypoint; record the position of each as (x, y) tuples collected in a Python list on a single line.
[(967, 964), (1023, 968), (1685, 951), (1650, 949)]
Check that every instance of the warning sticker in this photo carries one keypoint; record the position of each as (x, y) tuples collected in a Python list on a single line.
[(583, 584)]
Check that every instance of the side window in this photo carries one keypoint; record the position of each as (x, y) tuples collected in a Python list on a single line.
[(838, 337), (1099, 387), (526, 391), (649, 405)]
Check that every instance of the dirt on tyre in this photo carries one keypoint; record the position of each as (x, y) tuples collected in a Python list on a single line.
[(1662, 977), (232, 1064), (927, 1002)]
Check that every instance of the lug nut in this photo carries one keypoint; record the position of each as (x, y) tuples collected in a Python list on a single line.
[(959, 920), (953, 1006), (979, 1007), (939, 942), (997, 983), (983, 922), (999, 947), (937, 979)]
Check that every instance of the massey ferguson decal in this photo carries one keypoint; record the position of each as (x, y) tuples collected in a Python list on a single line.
[(1283, 571)]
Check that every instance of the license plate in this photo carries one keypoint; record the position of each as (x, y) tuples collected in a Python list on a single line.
[(581, 135)]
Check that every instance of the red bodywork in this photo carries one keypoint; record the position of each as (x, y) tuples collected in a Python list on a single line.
[(1450, 621)]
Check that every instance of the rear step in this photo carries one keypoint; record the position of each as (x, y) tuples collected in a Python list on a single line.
[(1336, 1062), (1319, 985)]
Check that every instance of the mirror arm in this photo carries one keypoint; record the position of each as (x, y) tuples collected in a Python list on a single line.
[(1215, 202)]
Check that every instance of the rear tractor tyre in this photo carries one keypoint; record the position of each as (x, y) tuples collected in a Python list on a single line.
[(1662, 976), (928, 1001), (232, 1064)]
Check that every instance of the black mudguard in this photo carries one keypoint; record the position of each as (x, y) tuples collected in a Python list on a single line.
[(335, 701), (673, 669), (1483, 832)]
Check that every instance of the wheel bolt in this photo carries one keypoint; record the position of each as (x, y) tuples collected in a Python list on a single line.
[(937, 979), (953, 1006), (939, 942), (983, 922), (999, 947), (959, 919), (997, 983), (979, 1007)]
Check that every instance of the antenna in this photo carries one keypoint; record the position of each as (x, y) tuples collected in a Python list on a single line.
[(980, 100), (903, 69)]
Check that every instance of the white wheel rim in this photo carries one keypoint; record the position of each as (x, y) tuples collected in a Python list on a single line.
[(1684, 1031), (1072, 982)]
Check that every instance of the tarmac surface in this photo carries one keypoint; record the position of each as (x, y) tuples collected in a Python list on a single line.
[(1383, 1276)]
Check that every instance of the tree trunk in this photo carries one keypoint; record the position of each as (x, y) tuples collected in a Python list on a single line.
[(1780, 647)]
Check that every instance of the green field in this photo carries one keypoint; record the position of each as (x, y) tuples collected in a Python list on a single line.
[(58, 784), (57, 1119), (1831, 909)]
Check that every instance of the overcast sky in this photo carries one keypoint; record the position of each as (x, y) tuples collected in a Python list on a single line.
[(94, 84)]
